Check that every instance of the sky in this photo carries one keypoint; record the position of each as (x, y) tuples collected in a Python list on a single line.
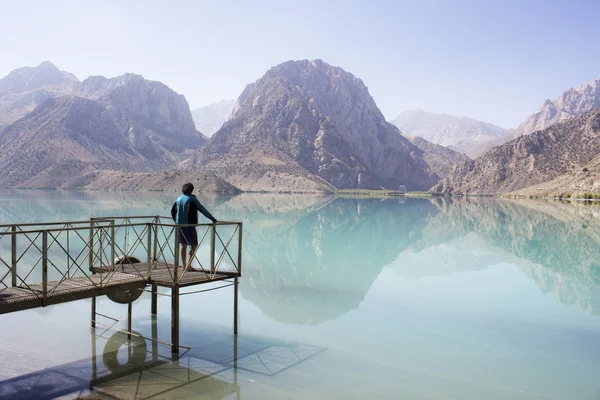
[(496, 61)]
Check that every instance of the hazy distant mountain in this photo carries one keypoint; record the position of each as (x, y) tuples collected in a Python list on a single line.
[(25, 88), (572, 103), (307, 125), (441, 160), (530, 159), (210, 118), (123, 124), (462, 134)]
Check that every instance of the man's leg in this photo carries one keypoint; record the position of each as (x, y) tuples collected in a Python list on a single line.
[(193, 248), (184, 255)]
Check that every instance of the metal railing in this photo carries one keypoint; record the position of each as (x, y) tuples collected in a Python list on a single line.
[(44, 258), (156, 239), (53, 254)]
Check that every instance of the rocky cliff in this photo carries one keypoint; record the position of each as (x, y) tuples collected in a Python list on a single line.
[(307, 123), (462, 134), (529, 160), (154, 117)]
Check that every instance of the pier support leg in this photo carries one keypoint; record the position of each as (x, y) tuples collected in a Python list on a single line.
[(235, 306), (154, 299), (175, 319), (94, 360), (94, 312), (235, 366), (129, 312), (154, 338)]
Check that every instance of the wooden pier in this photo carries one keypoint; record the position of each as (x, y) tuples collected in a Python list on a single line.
[(51, 263)]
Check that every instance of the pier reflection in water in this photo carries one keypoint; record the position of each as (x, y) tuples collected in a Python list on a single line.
[(143, 368)]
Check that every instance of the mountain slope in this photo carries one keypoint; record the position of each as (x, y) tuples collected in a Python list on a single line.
[(441, 160), (529, 160), (462, 134), (62, 138), (154, 116), (210, 118), (316, 124), (25, 88), (172, 180), (577, 181)]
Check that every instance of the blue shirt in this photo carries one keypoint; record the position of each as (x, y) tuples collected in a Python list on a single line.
[(185, 210)]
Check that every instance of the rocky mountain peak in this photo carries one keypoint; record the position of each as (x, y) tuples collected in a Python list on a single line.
[(146, 108), (318, 121), (572, 103), (30, 78)]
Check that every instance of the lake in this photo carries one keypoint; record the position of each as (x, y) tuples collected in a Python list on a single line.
[(400, 298)]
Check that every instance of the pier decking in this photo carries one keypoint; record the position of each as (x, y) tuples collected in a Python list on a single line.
[(57, 262)]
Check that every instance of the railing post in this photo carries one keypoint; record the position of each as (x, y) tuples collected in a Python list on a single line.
[(91, 243), (68, 254), (239, 266), (149, 271), (212, 247), (44, 267), (176, 272), (156, 222), (112, 245), (13, 263)]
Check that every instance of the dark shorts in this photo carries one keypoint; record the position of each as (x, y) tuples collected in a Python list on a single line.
[(188, 235)]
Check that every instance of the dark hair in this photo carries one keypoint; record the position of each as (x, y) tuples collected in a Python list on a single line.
[(187, 188)]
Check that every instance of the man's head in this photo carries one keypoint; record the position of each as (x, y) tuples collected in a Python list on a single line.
[(187, 188)]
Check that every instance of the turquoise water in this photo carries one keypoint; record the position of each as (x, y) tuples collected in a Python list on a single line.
[(342, 299)]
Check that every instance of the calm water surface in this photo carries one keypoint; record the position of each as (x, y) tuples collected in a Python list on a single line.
[(340, 299)]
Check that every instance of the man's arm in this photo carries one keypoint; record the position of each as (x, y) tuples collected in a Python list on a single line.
[(204, 211), (174, 212)]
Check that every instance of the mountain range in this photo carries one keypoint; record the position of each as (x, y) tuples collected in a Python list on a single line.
[(303, 126), (529, 159), (548, 153), (125, 123)]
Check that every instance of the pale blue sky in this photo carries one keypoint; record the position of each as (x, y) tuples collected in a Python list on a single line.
[(492, 60)]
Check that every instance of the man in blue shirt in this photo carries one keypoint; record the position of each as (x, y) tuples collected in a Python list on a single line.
[(185, 211)]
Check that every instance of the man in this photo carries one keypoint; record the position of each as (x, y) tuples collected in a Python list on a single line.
[(185, 211)]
